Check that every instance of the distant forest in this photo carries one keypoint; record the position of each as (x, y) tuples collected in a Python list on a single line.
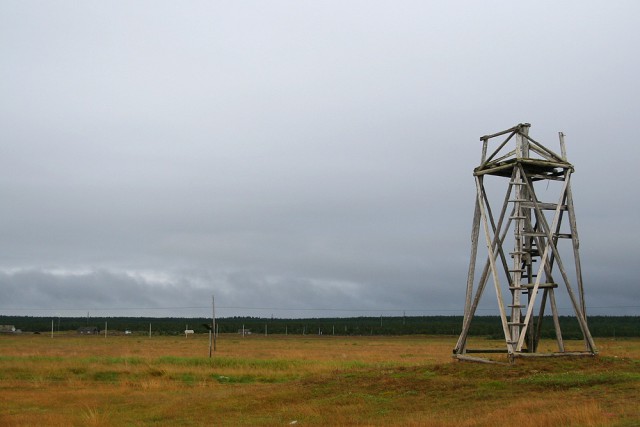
[(487, 326)]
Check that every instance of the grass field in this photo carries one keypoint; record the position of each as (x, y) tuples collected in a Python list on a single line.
[(306, 380)]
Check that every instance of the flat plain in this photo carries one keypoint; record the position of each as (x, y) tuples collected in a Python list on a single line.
[(137, 380)]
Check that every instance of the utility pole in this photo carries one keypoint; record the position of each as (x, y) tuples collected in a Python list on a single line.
[(214, 326), (212, 331)]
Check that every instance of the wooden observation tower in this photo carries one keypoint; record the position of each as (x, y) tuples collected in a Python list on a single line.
[(531, 245)]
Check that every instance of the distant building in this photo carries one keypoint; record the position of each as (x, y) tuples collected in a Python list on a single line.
[(89, 330), (7, 329)]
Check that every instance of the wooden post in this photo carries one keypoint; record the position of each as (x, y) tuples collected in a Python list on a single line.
[(494, 272), (563, 150), (556, 321), (575, 240), (213, 321), (484, 149)]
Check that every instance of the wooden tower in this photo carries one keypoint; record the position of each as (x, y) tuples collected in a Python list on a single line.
[(531, 254)]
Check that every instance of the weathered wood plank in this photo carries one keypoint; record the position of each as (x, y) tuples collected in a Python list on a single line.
[(495, 152), (556, 320), (475, 230), (542, 147), (504, 132), (477, 359), (494, 271), (563, 149), (550, 244), (563, 354), (544, 259)]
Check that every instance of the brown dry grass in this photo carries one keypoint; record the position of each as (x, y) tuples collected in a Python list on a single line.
[(310, 380)]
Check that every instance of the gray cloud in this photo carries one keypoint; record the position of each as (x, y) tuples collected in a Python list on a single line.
[(297, 156)]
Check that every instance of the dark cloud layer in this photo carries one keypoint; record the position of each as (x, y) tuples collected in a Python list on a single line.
[(296, 156)]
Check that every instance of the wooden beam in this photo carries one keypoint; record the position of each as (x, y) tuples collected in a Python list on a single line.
[(538, 330), (475, 230), (542, 147), (576, 305), (494, 272), (513, 129), (564, 354), (563, 150), (477, 359), (544, 259), (491, 170), (496, 243), (556, 320)]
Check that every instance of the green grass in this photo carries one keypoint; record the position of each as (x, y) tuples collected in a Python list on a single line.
[(106, 376), (226, 362), (334, 381), (564, 380)]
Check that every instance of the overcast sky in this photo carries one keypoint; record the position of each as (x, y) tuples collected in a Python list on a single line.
[(297, 158)]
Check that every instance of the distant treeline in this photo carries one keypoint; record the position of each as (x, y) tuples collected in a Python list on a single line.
[(488, 326)]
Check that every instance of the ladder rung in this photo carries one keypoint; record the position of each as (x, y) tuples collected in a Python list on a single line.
[(515, 270), (545, 206), (516, 323), (516, 306), (540, 286), (518, 217), (516, 183), (563, 236), (533, 234)]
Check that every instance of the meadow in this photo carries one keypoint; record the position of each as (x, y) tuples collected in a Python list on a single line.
[(306, 380)]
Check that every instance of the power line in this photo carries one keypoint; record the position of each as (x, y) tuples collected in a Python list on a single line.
[(378, 310)]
